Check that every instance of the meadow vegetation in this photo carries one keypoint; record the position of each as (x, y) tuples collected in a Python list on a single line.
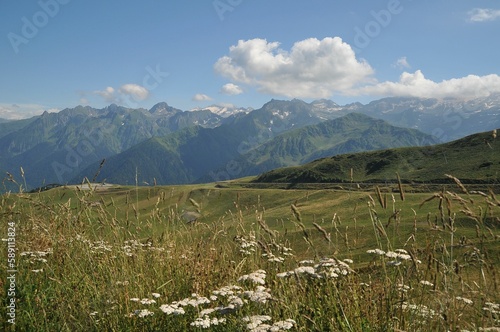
[(230, 258)]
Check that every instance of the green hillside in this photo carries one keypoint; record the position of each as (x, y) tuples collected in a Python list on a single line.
[(232, 151), (353, 132), (475, 158)]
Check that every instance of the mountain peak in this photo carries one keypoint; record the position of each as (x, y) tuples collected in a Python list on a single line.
[(163, 108), (224, 110)]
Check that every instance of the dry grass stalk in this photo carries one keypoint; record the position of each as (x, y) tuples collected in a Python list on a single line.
[(264, 226), (98, 170), (379, 197), (323, 232), (400, 187), (429, 199), (459, 184), (195, 204), (456, 197), (493, 197), (296, 212), (394, 216)]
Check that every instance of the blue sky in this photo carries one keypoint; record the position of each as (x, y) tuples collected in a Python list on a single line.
[(56, 54)]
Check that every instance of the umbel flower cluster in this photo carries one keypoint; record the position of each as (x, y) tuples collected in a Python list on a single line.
[(214, 309)]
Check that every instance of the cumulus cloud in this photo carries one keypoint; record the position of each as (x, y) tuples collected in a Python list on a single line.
[(135, 91), (483, 14), (402, 63), (311, 69), (231, 89), (127, 93), (417, 85), (201, 97), (108, 94), (22, 111)]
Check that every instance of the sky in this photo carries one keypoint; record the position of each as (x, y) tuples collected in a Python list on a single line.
[(57, 54)]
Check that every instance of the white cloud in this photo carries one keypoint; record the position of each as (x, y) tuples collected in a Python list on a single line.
[(231, 89), (135, 91), (126, 94), (416, 85), (402, 63), (108, 94), (483, 14), (311, 69), (201, 97), (22, 111)]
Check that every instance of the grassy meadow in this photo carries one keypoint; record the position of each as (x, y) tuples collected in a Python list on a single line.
[(234, 258)]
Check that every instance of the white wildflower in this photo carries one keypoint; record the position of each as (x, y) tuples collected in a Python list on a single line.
[(148, 301), (206, 312), (284, 274), (257, 277), (247, 245), (155, 295), (227, 290), (421, 310), (256, 319), (172, 309), (391, 254), (403, 288), (494, 308), (236, 302), (465, 300), (204, 322), (260, 295), (305, 270), (426, 283), (273, 259), (142, 313), (283, 325), (394, 263), (376, 251), (134, 299)]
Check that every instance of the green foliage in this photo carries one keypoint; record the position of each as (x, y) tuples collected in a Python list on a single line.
[(473, 159), (124, 258)]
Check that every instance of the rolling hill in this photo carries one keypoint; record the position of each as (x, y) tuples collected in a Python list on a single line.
[(473, 159)]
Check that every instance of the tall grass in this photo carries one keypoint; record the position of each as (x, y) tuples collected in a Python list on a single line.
[(86, 264)]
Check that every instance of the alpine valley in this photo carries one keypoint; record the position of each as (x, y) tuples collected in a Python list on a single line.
[(165, 145)]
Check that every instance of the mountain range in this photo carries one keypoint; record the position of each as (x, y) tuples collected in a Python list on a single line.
[(222, 141), (199, 154)]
